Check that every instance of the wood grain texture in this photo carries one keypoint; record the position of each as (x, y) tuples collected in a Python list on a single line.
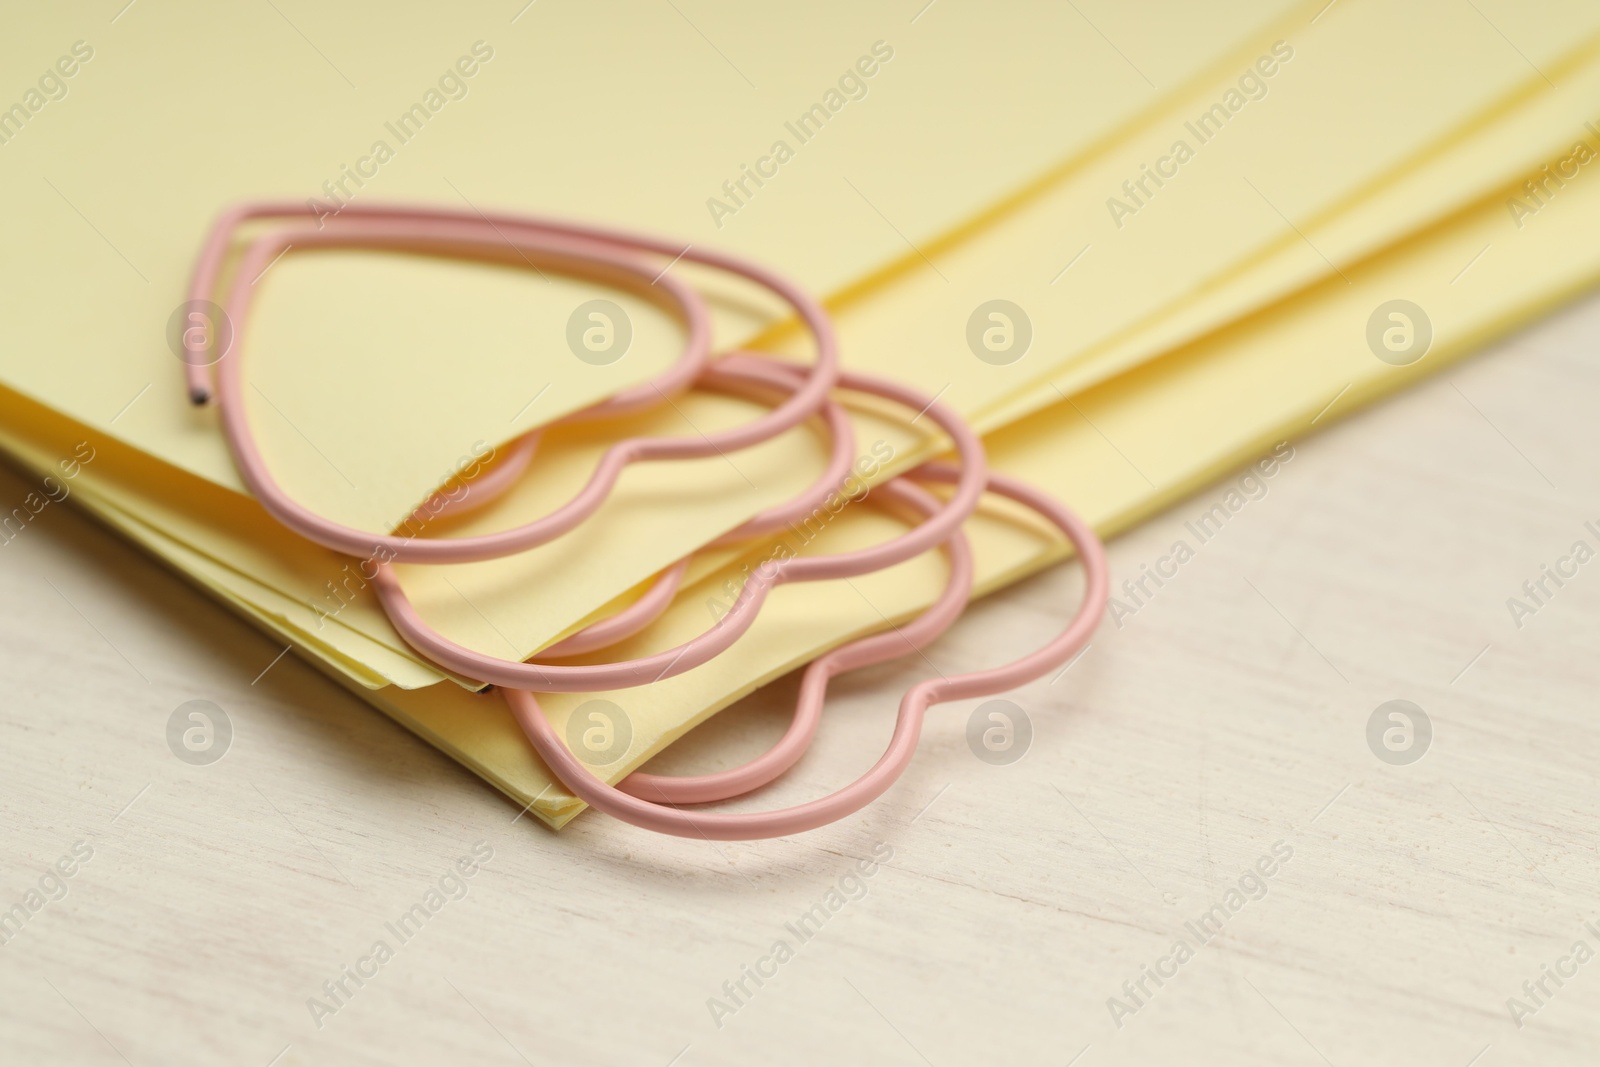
[(1227, 715)]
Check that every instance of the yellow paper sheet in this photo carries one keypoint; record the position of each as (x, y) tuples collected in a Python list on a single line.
[(919, 311), (488, 605), (1432, 155), (1136, 444), (1533, 138), (1117, 453), (909, 311), (142, 126), (465, 601)]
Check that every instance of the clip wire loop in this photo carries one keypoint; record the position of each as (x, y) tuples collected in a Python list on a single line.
[(588, 678), (625, 802), (581, 249)]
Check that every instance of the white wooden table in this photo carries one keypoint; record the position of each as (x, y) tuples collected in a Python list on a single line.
[(1228, 718)]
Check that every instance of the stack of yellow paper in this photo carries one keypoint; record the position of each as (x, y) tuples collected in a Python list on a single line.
[(1197, 225)]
